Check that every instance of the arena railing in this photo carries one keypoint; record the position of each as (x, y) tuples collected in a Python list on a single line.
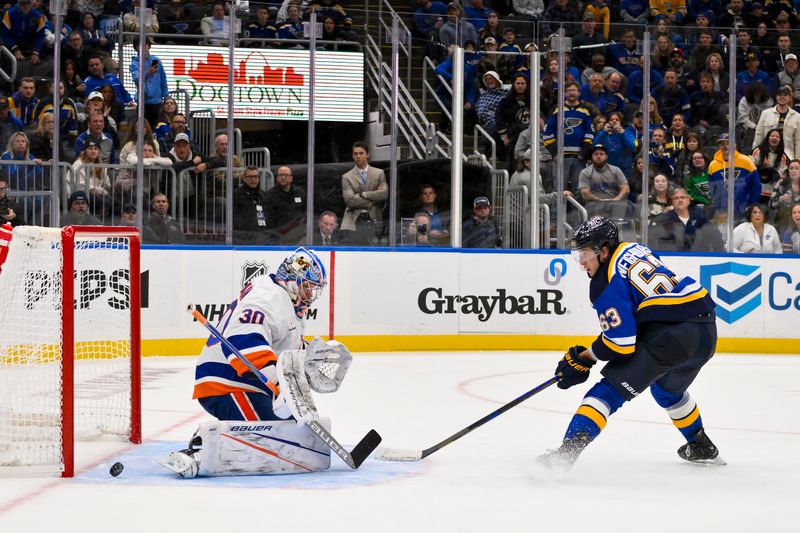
[(34, 181)]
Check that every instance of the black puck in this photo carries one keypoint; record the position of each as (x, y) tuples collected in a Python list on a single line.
[(116, 469)]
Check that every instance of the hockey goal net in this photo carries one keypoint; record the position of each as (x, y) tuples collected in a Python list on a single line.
[(69, 344)]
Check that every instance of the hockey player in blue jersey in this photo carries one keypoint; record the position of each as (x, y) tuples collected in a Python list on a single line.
[(658, 330)]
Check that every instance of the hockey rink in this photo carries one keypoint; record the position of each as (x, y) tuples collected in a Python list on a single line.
[(630, 479)]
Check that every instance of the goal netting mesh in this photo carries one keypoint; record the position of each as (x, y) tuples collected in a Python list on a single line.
[(36, 386)]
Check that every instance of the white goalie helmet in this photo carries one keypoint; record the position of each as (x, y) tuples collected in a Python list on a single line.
[(303, 276)]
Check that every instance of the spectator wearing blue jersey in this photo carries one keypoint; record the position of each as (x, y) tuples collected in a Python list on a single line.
[(155, 80), (752, 74), (22, 32), (97, 78), (620, 147), (445, 70), (477, 14), (9, 123), (671, 97), (634, 11), (260, 28), (661, 161), (429, 17), (634, 89), (95, 126), (578, 135), (23, 102), (625, 55)]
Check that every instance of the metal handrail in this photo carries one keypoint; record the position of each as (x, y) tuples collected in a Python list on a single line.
[(478, 130), (13, 59)]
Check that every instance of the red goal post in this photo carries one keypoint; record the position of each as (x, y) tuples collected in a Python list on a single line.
[(69, 344)]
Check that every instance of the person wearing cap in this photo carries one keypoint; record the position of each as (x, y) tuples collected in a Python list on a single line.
[(94, 180), (155, 80), (686, 78), (752, 74), (790, 75), (97, 78), (77, 213), (747, 185), (457, 26), (501, 64), (558, 12), (671, 12), (603, 187), (582, 43), (782, 117), (128, 216), (489, 100), (480, 230), (23, 31)]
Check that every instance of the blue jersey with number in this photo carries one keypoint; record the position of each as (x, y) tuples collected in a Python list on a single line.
[(635, 287), (261, 323)]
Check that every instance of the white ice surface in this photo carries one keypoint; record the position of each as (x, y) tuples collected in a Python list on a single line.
[(630, 479)]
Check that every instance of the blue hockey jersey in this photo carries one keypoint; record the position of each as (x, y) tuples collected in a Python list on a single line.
[(635, 287)]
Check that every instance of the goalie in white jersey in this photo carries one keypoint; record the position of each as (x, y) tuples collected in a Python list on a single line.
[(260, 428)]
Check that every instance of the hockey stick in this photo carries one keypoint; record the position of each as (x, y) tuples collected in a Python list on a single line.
[(389, 454), (360, 452)]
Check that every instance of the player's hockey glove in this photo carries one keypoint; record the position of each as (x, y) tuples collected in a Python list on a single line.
[(573, 369)]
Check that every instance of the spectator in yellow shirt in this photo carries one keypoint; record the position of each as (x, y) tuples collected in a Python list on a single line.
[(601, 13)]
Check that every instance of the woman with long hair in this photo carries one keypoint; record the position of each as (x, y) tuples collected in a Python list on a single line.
[(755, 235), (716, 67), (771, 162), (695, 181), (785, 194), (492, 28), (23, 176), (660, 199), (655, 117), (662, 53), (683, 159), (169, 107), (662, 29), (791, 237), (755, 100), (129, 144), (42, 138), (73, 83), (111, 107)]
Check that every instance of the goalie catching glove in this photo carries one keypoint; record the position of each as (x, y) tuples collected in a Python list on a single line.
[(572, 368), (321, 366)]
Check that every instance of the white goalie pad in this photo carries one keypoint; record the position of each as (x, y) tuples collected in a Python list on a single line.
[(232, 448), (295, 396), (326, 364)]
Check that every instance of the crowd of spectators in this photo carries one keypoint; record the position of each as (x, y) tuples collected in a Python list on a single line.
[(602, 113)]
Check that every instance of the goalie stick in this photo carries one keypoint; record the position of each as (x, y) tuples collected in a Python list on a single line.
[(353, 459), (390, 454)]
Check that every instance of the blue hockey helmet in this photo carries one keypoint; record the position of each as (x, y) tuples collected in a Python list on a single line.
[(595, 233), (303, 276)]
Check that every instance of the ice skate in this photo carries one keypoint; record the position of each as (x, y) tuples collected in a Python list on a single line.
[(700, 450), (558, 462), (181, 463)]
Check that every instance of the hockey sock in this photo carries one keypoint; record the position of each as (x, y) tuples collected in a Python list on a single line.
[(600, 402), (681, 408)]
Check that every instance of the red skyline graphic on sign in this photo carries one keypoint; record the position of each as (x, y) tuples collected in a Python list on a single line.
[(214, 70)]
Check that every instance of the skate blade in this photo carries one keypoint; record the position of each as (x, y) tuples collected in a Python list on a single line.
[(717, 461)]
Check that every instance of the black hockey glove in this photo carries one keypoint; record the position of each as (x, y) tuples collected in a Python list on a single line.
[(573, 369)]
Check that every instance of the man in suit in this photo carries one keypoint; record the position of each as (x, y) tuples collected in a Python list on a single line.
[(327, 234), (365, 191)]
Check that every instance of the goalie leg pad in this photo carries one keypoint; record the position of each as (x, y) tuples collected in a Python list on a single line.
[(233, 448), (295, 393)]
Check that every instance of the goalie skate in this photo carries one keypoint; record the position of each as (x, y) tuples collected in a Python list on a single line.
[(181, 463), (701, 450)]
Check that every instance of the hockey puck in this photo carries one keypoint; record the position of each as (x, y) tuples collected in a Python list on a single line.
[(116, 469)]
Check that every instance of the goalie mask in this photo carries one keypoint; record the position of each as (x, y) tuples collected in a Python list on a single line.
[(303, 276)]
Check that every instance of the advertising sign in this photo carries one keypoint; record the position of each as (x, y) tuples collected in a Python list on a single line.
[(268, 83)]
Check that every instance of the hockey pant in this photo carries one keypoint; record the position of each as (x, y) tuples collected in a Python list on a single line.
[(667, 359)]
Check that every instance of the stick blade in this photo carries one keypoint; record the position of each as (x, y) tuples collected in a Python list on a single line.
[(392, 454), (365, 447)]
